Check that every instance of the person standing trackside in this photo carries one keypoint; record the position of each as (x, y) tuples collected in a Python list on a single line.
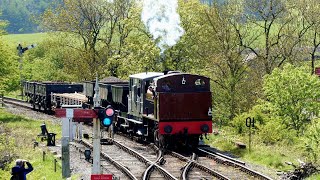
[(19, 172)]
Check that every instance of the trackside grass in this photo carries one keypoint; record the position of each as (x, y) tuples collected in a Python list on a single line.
[(17, 136), (271, 156)]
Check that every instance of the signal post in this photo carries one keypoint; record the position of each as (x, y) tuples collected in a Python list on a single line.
[(105, 115), (96, 168), (77, 114)]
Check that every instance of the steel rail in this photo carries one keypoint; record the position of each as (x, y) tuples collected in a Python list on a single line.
[(147, 173), (188, 167), (235, 164), (221, 155), (199, 166), (112, 161), (16, 102), (164, 172)]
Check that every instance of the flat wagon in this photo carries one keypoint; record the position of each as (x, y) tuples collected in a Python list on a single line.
[(39, 93)]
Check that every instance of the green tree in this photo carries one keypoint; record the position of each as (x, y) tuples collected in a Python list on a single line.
[(8, 76), (50, 54), (3, 25), (294, 93), (83, 19), (278, 31), (22, 15), (217, 50), (99, 33), (309, 10)]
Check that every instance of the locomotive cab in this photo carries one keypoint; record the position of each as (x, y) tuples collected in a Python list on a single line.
[(139, 104), (140, 100)]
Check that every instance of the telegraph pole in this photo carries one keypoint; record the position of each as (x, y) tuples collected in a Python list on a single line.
[(96, 168), (20, 52)]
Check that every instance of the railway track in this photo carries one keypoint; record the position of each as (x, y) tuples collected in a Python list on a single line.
[(232, 168), (127, 159), (16, 102), (130, 162)]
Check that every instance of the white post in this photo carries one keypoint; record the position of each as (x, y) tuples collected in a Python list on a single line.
[(96, 168), (65, 157), (73, 131), (80, 130)]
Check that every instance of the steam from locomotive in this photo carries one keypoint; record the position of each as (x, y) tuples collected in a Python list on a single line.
[(163, 22)]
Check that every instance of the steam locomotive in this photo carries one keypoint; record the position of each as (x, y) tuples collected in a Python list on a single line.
[(169, 108), (166, 107)]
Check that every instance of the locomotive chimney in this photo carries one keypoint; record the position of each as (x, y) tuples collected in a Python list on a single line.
[(163, 61)]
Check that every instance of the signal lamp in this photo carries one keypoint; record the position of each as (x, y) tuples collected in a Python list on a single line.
[(106, 116)]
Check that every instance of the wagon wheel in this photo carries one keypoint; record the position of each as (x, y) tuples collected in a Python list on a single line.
[(45, 108), (39, 107), (33, 106)]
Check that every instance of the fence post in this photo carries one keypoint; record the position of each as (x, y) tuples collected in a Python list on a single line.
[(43, 155), (55, 165)]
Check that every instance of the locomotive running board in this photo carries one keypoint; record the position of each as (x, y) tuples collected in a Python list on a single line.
[(131, 120)]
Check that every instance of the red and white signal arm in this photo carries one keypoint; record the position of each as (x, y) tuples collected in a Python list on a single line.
[(101, 176), (78, 115)]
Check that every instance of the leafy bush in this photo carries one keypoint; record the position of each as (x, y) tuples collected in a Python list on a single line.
[(294, 93), (261, 114), (274, 131), (312, 140)]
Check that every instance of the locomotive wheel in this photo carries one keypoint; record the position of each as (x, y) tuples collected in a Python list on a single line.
[(156, 138), (159, 140), (194, 141)]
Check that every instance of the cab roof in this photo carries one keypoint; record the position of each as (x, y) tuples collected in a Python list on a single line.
[(146, 75)]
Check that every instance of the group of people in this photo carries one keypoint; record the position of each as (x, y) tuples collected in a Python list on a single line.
[(19, 171)]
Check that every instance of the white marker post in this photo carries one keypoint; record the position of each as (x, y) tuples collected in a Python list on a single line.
[(68, 114), (65, 152), (96, 168)]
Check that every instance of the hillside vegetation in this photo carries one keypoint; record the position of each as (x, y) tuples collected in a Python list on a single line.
[(23, 16)]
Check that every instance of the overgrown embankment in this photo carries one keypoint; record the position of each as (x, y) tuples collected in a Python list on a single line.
[(17, 137)]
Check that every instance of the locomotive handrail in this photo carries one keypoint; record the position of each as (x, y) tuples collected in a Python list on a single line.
[(132, 120)]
